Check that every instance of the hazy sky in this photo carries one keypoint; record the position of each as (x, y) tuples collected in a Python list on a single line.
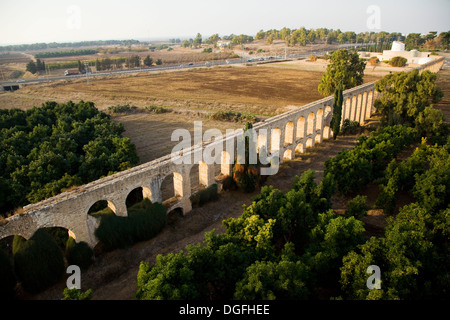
[(67, 21)]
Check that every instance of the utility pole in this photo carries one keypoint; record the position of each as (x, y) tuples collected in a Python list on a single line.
[(86, 65)]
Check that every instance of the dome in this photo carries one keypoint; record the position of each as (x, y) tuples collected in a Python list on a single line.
[(397, 46), (414, 53)]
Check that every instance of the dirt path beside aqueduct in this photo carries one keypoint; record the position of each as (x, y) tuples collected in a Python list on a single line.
[(113, 275)]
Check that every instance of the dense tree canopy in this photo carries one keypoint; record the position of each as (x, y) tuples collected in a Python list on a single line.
[(405, 95), (48, 149), (345, 67)]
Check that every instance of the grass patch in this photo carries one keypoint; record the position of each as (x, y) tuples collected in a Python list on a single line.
[(157, 109), (233, 116), (121, 108)]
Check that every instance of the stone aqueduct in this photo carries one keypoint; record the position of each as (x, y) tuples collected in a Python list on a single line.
[(290, 132)]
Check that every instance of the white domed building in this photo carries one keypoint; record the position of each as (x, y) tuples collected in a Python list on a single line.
[(398, 50)]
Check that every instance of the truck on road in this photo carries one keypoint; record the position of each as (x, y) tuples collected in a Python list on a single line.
[(71, 72)]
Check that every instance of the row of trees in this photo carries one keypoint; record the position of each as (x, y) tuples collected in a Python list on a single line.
[(303, 36), (69, 53), (430, 41), (48, 149), (292, 246), (234, 39), (133, 61), (53, 45)]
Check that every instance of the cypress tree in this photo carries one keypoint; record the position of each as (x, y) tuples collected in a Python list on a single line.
[(337, 110)]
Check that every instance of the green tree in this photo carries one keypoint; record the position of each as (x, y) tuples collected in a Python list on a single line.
[(405, 95), (269, 280), (337, 110), (148, 61), (357, 207), (213, 39), (197, 41), (76, 294), (411, 256), (345, 67), (398, 61), (413, 41), (31, 67), (38, 262), (330, 240)]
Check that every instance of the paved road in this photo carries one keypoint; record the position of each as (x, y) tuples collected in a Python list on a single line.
[(243, 59)]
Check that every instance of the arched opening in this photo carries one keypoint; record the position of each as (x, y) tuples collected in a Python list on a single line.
[(275, 140), (364, 108), (287, 155), (225, 164), (101, 208), (134, 197), (326, 132), (319, 120), (194, 176), (137, 195), (358, 108), (299, 149), (167, 188), (289, 133), (309, 143), (300, 134), (369, 104), (318, 138), (346, 111), (354, 107), (261, 141), (310, 128), (6, 244), (327, 111), (60, 235), (206, 174)]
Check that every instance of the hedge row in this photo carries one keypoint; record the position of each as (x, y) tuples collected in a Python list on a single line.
[(354, 168), (145, 220)]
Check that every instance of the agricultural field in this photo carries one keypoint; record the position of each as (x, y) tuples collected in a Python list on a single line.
[(259, 90)]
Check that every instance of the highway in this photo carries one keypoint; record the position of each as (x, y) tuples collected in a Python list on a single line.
[(244, 59)]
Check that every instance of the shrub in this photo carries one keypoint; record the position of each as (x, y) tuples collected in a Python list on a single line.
[(38, 262), (79, 254), (350, 127), (121, 108), (145, 220), (204, 196), (232, 116), (398, 62), (76, 294), (357, 207), (156, 109), (246, 176)]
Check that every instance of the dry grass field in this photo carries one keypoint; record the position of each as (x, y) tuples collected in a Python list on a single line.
[(262, 90)]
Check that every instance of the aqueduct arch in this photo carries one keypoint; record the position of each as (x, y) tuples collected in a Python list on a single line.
[(302, 128)]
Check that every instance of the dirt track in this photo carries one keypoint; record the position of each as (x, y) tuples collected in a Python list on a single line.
[(113, 275)]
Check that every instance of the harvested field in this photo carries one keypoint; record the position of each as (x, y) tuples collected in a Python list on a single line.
[(151, 133), (260, 90)]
